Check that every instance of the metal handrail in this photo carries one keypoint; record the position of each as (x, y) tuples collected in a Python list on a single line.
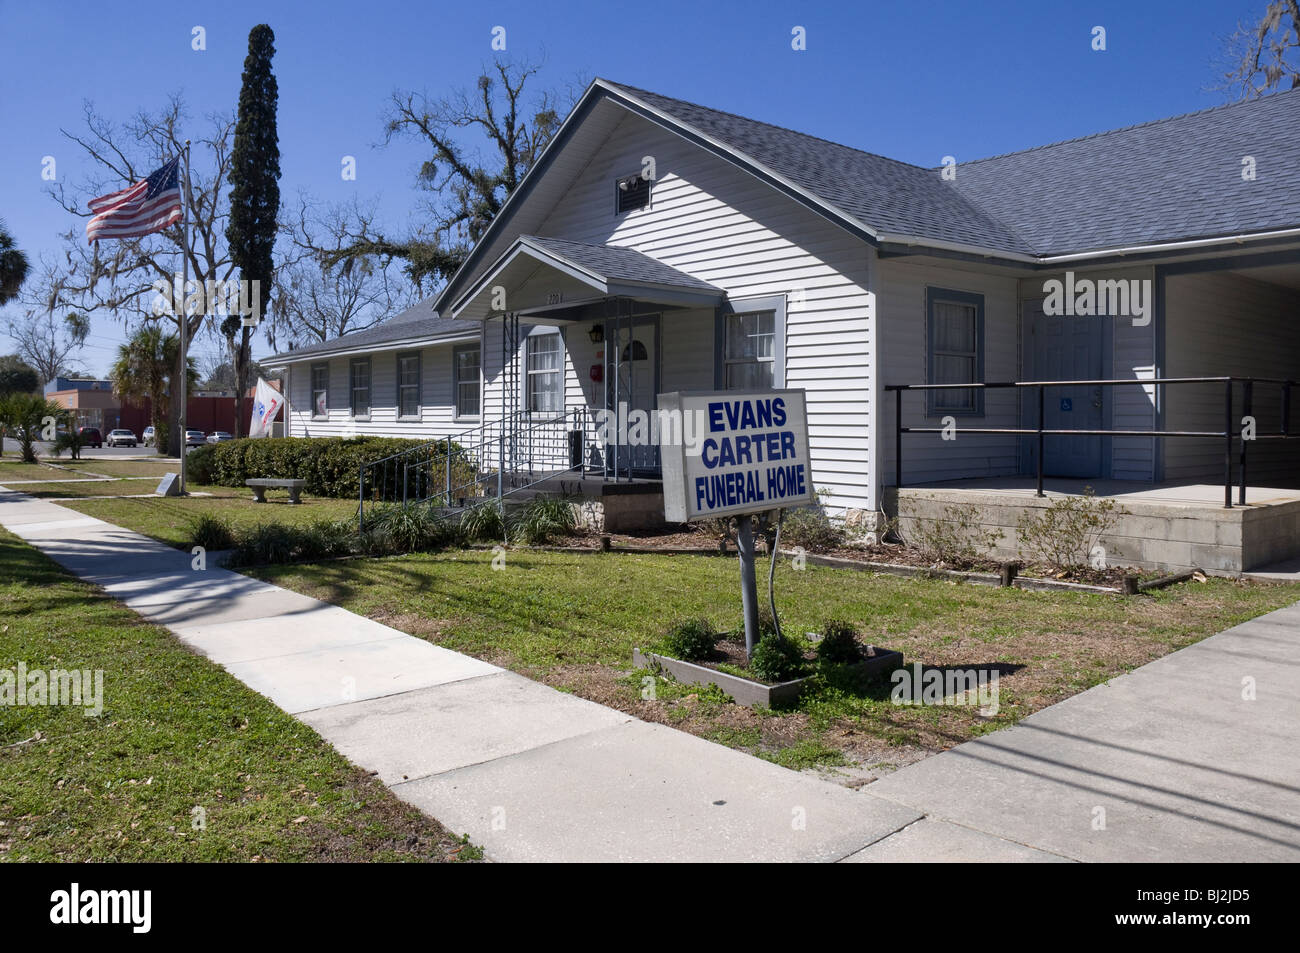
[(1042, 432), (522, 441)]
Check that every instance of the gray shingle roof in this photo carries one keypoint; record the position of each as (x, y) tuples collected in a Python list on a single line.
[(1167, 180), (883, 194), (619, 264), (418, 321)]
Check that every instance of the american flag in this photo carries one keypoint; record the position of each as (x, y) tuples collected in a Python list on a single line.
[(149, 206)]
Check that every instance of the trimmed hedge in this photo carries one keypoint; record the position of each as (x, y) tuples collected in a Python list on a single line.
[(329, 464)]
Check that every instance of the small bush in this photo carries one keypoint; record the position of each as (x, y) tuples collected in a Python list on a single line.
[(810, 528), (777, 659), (482, 523), (211, 532), (543, 518), (265, 544), (956, 539), (1063, 534), (839, 643), (69, 440), (325, 538), (692, 640), (406, 528)]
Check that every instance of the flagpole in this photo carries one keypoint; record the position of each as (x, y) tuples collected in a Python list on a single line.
[(185, 318)]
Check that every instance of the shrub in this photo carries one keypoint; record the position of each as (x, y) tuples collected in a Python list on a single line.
[(330, 465), (839, 643), (955, 539), (1063, 534), (325, 538), (69, 440), (776, 659), (542, 518), (211, 532), (810, 528), (691, 640), (406, 528), (266, 543), (482, 523)]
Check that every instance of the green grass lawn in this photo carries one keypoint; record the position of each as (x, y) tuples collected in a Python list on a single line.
[(11, 469), (572, 621), (168, 518), (177, 733)]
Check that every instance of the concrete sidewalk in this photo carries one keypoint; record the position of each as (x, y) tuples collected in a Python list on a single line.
[(1166, 763), (528, 772)]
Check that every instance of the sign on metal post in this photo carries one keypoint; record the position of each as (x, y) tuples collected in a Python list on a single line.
[(735, 453)]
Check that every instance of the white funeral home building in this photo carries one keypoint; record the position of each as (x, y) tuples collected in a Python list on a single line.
[(1115, 311)]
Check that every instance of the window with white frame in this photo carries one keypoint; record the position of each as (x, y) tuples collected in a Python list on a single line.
[(320, 390), (545, 365), (749, 353), (359, 380), (408, 385), (955, 342), (466, 364)]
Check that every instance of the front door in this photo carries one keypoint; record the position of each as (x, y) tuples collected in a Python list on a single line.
[(632, 381), (1069, 348)]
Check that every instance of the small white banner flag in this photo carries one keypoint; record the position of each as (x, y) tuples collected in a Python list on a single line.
[(266, 406)]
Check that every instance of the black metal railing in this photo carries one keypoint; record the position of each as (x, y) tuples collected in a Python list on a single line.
[(490, 461), (1231, 430)]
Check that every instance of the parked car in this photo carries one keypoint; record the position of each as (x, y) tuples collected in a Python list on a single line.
[(90, 437), (195, 438), (147, 437), (219, 435), (121, 438)]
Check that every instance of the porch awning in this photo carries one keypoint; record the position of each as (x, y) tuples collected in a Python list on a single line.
[(538, 273)]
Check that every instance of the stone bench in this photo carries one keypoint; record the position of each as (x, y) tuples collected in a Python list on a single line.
[(260, 486)]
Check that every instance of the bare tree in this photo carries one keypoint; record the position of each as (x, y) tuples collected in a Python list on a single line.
[(1266, 56), (48, 341), (464, 192), (120, 277), (318, 301)]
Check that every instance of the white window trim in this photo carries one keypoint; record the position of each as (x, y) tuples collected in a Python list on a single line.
[(529, 372), (352, 390), (311, 385), (419, 385), (456, 382)]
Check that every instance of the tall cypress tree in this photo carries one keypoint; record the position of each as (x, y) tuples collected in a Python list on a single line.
[(254, 194)]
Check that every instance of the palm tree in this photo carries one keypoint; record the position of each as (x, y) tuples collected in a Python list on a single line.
[(29, 418), (143, 371), (13, 266)]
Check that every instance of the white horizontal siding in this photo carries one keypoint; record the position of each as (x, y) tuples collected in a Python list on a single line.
[(902, 302), (1222, 324), (717, 223), (437, 412)]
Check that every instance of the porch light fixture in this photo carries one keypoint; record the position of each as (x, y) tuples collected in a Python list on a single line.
[(597, 334)]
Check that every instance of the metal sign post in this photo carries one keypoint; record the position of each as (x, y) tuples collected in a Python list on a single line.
[(735, 453), (748, 584)]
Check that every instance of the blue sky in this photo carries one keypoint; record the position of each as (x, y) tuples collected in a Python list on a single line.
[(912, 81)]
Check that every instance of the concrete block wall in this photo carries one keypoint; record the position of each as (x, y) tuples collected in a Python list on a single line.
[(1145, 536)]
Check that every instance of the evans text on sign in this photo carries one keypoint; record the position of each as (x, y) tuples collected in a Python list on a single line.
[(731, 452)]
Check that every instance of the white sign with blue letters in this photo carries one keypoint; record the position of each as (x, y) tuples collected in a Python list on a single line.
[(730, 452)]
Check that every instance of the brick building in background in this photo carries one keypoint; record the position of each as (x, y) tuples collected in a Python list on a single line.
[(94, 404)]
